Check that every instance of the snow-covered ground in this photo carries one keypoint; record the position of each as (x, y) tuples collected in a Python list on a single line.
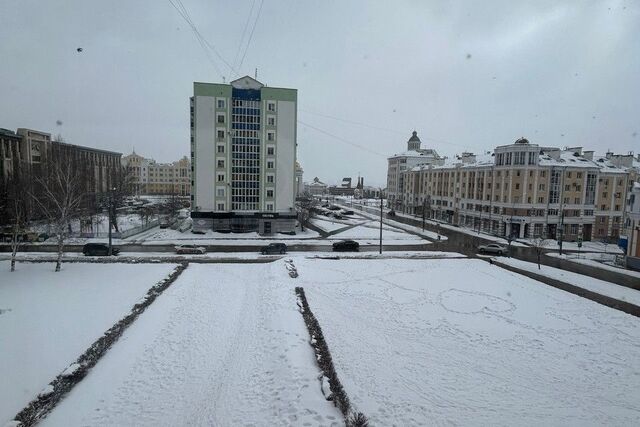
[(157, 235), (598, 260), (448, 342), (48, 319), (595, 285), (329, 225), (224, 345)]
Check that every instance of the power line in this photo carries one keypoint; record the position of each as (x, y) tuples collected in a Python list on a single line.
[(362, 147), (380, 128), (251, 34), (204, 43), (244, 32)]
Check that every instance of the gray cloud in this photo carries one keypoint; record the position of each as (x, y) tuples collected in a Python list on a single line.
[(537, 69)]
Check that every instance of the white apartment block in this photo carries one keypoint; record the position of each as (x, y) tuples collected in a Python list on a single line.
[(243, 152)]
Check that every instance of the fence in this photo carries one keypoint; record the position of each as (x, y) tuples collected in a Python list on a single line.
[(120, 234)]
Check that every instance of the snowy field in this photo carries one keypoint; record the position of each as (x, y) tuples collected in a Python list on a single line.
[(461, 342), (224, 346), (48, 319), (595, 285)]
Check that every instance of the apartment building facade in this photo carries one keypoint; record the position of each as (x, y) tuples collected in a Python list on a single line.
[(523, 190), (399, 163), (243, 155), (152, 178)]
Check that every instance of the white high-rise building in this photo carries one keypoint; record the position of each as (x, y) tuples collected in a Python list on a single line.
[(243, 155)]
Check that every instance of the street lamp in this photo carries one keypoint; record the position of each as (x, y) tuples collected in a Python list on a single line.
[(109, 212)]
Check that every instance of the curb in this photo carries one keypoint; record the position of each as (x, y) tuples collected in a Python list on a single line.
[(337, 393)]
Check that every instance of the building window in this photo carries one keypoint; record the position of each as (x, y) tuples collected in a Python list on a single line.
[(220, 103), (220, 163), (271, 121), (270, 179), (220, 206), (269, 165), (220, 177), (220, 134), (220, 118), (270, 151), (220, 192), (270, 193), (271, 136), (271, 106), (270, 206), (220, 148)]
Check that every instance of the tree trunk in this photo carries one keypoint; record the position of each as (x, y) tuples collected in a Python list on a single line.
[(60, 247), (14, 250)]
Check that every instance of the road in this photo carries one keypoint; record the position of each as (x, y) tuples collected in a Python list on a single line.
[(461, 242)]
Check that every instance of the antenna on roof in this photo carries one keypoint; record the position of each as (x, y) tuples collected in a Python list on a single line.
[(256, 74), (224, 79)]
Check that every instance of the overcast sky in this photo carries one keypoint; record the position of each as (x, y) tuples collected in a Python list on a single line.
[(466, 75)]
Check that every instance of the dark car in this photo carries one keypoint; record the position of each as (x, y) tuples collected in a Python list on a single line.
[(274, 248), (348, 213), (391, 213), (99, 249), (346, 246)]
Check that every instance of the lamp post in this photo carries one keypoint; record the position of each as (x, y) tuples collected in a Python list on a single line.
[(109, 212), (381, 199)]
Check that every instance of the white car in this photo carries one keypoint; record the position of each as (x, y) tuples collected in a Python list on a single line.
[(190, 249), (493, 248)]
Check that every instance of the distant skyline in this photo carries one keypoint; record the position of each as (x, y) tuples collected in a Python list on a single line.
[(467, 76)]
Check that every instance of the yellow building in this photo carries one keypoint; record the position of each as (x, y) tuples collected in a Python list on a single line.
[(523, 190), (151, 178)]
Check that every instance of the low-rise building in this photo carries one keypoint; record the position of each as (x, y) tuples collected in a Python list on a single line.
[(32, 150), (344, 189), (316, 187), (401, 162), (523, 190), (632, 224), (152, 178)]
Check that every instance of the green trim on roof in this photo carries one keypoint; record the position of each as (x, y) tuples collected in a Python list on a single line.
[(279, 94), (211, 89)]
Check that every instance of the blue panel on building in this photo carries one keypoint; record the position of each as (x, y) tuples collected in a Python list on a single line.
[(246, 94)]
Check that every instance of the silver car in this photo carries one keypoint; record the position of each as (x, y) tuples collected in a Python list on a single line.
[(493, 248)]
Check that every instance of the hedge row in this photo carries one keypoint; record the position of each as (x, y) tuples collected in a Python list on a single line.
[(325, 362), (63, 383)]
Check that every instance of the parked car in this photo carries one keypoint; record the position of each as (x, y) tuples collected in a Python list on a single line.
[(274, 248), (391, 213), (190, 249), (347, 212), (337, 215), (99, 249), (346, 246), (493, 248), (334, 208)]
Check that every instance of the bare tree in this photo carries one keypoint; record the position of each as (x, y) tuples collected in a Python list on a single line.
[(121, 187), (17, 209), (304, 205), (539, 244), (59, 193)]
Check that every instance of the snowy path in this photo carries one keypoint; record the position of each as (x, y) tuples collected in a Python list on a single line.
[(47, 319), (224, 345), (461, 342)]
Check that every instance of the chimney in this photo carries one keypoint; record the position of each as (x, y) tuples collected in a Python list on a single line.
[(588, 155), (468, 157)]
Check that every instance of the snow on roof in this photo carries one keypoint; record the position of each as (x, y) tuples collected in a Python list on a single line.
[(411, 153)]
